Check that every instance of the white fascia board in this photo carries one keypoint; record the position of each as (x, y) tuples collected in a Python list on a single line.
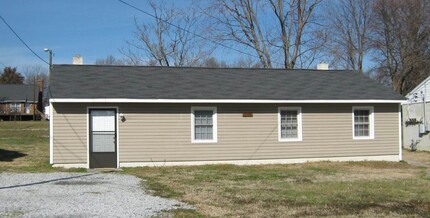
[(418, 86), (127, 100)]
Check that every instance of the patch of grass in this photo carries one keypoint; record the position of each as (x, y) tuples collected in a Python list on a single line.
[(312, 189), (24, 147), (181, 213), (11, 213), (421, 156), (363, 189)]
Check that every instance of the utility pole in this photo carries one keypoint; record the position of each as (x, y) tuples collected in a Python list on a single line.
[(50, 63), (34, 98)]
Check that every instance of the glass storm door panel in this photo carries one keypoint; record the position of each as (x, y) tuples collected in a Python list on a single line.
[(103, 134)]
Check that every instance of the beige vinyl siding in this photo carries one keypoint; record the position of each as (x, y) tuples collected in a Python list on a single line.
[(70, 133), (162, 132)]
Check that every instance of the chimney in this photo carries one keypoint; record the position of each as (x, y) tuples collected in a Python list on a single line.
[(78, 59), (322, 66)]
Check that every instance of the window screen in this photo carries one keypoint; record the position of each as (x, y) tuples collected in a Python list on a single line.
[(289, 124), (103, 141), (203, 125), (361, 123)]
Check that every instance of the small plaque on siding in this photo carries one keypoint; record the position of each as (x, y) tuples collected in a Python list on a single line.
[(247, 114)]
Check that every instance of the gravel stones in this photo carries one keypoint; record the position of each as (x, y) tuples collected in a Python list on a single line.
[(78, 195)]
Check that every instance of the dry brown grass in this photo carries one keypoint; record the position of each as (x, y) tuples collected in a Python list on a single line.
[(420, 156), (347, 189)]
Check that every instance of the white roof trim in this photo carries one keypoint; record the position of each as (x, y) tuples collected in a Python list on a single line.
[(418, 86), (127, 100)]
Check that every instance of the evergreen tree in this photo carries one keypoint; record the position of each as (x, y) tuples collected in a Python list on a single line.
[(10, 76)]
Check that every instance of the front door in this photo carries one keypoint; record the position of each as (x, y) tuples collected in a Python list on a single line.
[(102, 133)]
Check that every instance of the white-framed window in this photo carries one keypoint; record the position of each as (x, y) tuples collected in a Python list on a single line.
[(362, 122), (290, 123), (204, 124), (15, 107)]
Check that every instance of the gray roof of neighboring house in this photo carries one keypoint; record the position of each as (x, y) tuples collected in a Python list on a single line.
[(132, 82), (18, 93)]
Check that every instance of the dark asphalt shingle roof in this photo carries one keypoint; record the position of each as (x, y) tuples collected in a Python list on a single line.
[(18, 93), (131, 82)]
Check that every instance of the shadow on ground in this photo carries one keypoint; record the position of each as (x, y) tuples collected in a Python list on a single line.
[(8, 156)]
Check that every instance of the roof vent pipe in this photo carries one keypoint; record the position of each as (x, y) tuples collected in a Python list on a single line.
[(78, 60), (322, 66)]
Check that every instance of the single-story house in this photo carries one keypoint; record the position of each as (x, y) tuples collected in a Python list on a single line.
[(19, 102), (416, 118), (126, 116)]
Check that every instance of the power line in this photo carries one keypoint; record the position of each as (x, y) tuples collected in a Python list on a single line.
[(183, 29), (2, 64), (23, 41)]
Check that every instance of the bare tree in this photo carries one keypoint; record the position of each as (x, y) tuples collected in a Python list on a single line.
[(246, 62), (294, 18), (279, 28), (34, 73), (402, 42), (169, 40), (348, 27), (212, 62), (238, 21), (109, 60)]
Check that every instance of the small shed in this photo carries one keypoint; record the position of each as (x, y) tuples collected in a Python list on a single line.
[(126, 116)]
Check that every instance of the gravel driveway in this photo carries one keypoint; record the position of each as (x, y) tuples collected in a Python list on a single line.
[(78, 195)]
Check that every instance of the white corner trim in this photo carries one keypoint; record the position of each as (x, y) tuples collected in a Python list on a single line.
[(88, 138), (51, 134), (371, 120), (299, 122), (67, 166), (214, 121), (400, 134), (392, 158), (129, 100)]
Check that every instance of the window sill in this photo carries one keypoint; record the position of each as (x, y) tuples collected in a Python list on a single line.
[(204, 141), (291, 140), (363, 138)]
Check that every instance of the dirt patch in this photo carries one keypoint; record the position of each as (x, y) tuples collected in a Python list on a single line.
[(417, 156)]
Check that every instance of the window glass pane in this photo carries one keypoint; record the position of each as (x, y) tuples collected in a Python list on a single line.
[(103, 142), (361, 123), (203, 125), (103, 120), (289, 124), (15, 107)]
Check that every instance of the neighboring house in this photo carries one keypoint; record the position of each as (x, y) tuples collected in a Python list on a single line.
[(125, 116), (416, 117), (19, 102)]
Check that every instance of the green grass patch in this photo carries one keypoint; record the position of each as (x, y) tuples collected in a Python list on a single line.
[(24, 147)]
